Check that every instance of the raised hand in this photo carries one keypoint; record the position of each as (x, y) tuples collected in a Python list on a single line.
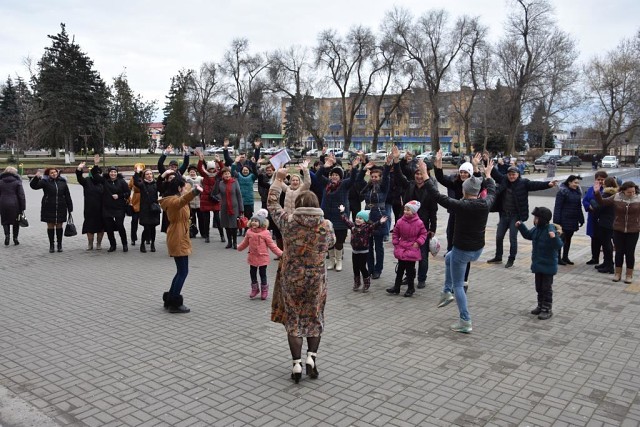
[(369, 165), (281, 174), (487, 170), (96, 159), (341, 208), (81, 166), (475, 160), (384, 219)]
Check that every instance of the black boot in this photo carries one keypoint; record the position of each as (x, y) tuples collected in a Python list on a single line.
[(125, 247), (153, 246), (545, 312), (59, 238), (165, 300), (229, 239), (6, 240), (222, 239), (112, 242), (411, 289), (235, 240), (395, 289), (16, 231), (176, 304), (143, 248), (51, 233)]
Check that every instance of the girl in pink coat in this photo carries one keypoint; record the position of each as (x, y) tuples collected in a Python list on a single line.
[(258, 240), (408, 235)]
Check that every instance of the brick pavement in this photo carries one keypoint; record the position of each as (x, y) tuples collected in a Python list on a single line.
[(85, 341)]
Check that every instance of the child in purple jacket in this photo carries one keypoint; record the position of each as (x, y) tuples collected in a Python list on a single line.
[(361, 232), (408, 235)]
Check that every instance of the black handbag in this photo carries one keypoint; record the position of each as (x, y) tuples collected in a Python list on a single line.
[(214, 197), (70, 228), (154, 208), (128, 209), (22, 220)]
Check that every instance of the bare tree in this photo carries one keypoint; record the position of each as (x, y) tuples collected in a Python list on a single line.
[(347, 61), (529, 42), (471, 70), (292, 74), (247, 87), (614, 85), (205, 86), (433, 45)]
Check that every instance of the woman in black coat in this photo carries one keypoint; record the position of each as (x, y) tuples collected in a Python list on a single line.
[(149, 215), (568, 213), (56, 203), (114, 204), (12, 202), (93, 223)]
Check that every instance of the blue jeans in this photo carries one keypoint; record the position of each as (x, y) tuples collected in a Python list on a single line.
[(388, 209), (423, 264), (182, 271), (507, 222), (375, 260), (455, 263)]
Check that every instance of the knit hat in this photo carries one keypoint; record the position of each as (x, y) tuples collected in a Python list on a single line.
[(192, 167), (260, 216), (211, 165), (363, 215), (466, 167), (338, 170), (543, 213), (173, 162), (513, 169), (414, 205), (112, 168), (472, 186)]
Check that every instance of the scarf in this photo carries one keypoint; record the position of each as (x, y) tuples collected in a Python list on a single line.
[(228, 190)]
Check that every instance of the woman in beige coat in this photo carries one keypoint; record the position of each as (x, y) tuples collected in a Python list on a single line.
[(175, 202), (300, 290), (297, 184)]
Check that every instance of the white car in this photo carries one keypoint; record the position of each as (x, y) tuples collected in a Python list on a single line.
[(425, 156), (335, 151), (312, 152), (610, 162), (379, 154)]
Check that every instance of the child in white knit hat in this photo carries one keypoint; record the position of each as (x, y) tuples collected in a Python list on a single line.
[(258, 240), (409, 234)]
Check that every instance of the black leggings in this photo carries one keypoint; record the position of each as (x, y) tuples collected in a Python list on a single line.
[(149, 233), (253, 270), (113, 224), (566, 244), (625, 248), (341, 236), (359, 262)]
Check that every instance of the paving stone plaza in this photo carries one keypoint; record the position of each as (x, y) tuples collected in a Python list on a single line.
[(84, 341)]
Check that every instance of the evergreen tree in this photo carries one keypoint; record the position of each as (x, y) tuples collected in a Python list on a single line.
[(176, 118), (129, 116), (9, 113), (71, 97)]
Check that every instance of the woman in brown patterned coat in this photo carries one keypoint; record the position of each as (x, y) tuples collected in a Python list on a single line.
[(300, 290)]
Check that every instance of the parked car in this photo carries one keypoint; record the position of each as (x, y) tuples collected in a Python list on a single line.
[(427, 155), (569, 161), (312, 152), (447, 156), (638, 163), (455, 159), (545, 158), (379, 154), (335, 151), (610, 162)]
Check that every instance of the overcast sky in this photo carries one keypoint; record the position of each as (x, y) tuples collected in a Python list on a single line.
[(152, 40)]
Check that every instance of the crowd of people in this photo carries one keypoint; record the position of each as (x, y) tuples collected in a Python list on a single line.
[(305, 220)]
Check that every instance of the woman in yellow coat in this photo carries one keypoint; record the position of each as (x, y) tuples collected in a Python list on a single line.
[(175, 202)]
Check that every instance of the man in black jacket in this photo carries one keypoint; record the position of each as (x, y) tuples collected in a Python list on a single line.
[(471, 214), (513, 205)]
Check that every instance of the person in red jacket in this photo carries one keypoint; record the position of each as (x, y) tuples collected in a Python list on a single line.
[(258, 240)]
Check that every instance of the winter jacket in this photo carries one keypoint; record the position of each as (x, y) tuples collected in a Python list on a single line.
[(520, 188), (12, 200), (56, 201), (470, 216), (92, 191), (592, 214), (114, 207), (148, 194), (264, 183), (375, 197), (406, 232), (195, 203), (605, 214), (177, 209), (332, 199), (181, 170), (259, 241), (627, 211), (290, 195), (134, 198), (360, 234), (428, 211), (568, 209), (544, 256), (246, 184), (208, 184), (229, 220), (355, 192)]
